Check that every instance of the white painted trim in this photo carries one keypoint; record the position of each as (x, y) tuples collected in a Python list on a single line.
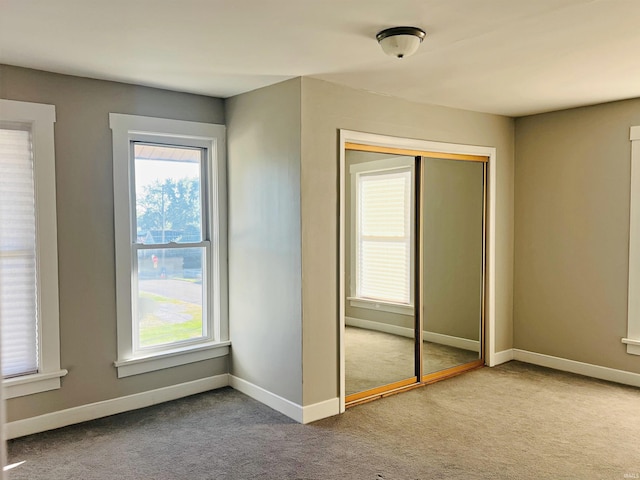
[(633, 346), (41, 118), (342, 292), (503, 356), (300, 414), (433, 337), (346, 136), (490, 262), (128, 128), (30, 384), (194, 353), (632, 340), (390, 307), (320, 410), (92, 411), (278, 403), (587, 369)]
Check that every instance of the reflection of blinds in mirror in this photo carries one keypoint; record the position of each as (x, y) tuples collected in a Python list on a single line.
[(383, 235)]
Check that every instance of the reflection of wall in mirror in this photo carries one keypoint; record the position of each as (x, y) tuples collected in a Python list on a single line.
[(452, 216)]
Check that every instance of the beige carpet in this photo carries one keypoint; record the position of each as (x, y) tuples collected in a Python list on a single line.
[(514, 421), (373, 358)]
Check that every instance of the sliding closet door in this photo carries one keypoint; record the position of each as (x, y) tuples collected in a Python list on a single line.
[(453, 213), (379, 273), (413, 264)]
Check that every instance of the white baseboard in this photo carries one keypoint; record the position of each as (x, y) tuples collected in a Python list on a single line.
[(451, 341), (463, 343), (300, 414), (502, 357), (92, 411), (321, 410), (282, 405), (587, 369), (379, 327)]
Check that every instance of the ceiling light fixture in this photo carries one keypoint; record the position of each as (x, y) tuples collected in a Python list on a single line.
[(400, 42)]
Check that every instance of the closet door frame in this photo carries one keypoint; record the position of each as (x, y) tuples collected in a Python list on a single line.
[(352, 140)]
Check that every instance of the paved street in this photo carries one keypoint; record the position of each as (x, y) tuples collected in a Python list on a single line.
[(190, 292)]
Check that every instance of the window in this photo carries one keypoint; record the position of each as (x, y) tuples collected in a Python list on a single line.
[(382, 239), (170, 250), (633, 333), (28, 250)]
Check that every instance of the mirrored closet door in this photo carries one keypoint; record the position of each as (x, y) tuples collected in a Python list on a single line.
[(413, 268), (379, 251), (452, 225)]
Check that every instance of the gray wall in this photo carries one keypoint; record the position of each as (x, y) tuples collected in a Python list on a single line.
[(84, 201), (326, 108), (263, 130), (572, 183)]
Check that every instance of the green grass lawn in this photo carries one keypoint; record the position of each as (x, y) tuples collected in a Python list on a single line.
[(157, 331)]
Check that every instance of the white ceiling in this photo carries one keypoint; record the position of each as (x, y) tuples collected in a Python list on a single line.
[(511, 57)]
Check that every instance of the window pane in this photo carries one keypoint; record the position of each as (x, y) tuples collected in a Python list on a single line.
[(168, 194), (170, 305), (17, 254), (384, 270), (383, 204), (384, 236)]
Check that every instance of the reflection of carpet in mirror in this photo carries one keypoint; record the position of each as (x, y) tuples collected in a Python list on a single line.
[(373, 358)]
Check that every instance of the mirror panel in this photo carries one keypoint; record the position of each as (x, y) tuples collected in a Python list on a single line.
[(379, 271), (452, 255)]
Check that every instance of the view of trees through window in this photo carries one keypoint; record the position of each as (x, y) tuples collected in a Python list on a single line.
[(168, 207)]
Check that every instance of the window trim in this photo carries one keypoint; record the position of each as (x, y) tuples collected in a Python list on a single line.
[(128, 128), (632, 339), (392, 164), (41, 118)]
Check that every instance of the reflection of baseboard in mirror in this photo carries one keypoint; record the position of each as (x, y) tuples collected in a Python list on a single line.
[(432, 337), (416, 268)]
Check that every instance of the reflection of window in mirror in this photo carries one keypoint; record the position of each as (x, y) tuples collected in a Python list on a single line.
[(382, 234)]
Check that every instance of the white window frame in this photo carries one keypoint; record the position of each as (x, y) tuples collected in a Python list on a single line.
[(41, 118), (391, 164), (632, 340), (131, 128)]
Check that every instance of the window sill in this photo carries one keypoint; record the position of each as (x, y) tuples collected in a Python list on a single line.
[(390, 307), (171, 358), (633, 346), (30, 384)]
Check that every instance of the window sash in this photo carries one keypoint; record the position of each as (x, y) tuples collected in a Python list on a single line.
[(207, 327), (205, 243)]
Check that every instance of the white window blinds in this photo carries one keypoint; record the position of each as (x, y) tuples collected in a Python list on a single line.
[(383, 236), (18, 302)]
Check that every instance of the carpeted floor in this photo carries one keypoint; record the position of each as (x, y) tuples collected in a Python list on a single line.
[(515, 421), (373, 358)]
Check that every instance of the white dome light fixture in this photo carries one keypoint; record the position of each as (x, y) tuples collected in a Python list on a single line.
[(400, 42)]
